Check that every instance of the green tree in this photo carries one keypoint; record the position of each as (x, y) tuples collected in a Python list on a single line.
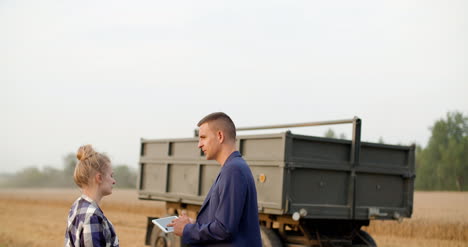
[(52, 177), (69, 163), (29, 177), (330, 134), (381, 141), (443, 164), (125, 177)]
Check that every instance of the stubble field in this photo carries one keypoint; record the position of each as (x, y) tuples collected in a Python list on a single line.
[(37, 218)]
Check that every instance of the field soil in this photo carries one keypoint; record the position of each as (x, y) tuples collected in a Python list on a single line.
[(37, 218)]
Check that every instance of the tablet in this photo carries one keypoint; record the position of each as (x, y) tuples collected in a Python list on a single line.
[(162, 223)]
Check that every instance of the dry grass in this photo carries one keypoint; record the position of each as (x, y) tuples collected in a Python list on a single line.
[(37, 218), (439, 219)]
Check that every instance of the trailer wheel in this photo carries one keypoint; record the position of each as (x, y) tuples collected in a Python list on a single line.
[(363, 239), (161, 239), (269, 238)]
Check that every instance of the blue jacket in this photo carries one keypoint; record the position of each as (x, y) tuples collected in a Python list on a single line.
[(229, 214)]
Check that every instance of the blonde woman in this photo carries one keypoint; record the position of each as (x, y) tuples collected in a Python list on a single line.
[(87, 225)]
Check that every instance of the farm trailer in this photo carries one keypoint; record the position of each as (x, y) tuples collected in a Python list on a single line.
[(311, 191)]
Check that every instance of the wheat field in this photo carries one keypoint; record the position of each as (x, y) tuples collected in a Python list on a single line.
[(37, 218)]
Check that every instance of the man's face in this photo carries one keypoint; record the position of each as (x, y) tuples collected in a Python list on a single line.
[(208, 141)]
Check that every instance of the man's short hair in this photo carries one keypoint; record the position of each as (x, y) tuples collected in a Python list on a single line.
[(222, 122)]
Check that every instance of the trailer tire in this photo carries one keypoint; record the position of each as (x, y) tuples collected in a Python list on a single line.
[(161, 239), (269, 238), (363, 239)]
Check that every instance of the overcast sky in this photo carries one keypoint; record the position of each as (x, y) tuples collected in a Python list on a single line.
[(109, 72)]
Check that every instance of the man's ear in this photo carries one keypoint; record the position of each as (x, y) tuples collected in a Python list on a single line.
[(220, 136)]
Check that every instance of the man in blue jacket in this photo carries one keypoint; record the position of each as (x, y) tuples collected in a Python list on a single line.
[(229, 214)]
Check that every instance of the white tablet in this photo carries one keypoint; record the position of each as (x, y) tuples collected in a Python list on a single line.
[(162, 223)]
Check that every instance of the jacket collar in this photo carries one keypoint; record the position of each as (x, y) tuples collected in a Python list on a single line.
[(208, 196), (234, 154)]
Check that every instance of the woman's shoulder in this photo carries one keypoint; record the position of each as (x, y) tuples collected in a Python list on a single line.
[(86, 208)]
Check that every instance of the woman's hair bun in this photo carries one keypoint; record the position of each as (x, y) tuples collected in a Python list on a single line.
[(85, 152), (89, 163)]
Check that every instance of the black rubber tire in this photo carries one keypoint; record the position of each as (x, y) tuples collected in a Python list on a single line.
[(269, 238), (161, 239), (363, 239)]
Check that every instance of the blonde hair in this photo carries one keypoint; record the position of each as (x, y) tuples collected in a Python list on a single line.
[(89, 162)]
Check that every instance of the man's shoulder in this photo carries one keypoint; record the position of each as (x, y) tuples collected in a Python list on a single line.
[(236, 158), (237, 163), (237, 168), (239, 159)]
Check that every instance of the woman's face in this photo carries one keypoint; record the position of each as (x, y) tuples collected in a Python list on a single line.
[(107, 181)]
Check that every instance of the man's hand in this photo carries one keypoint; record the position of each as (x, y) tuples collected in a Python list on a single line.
[(179, 224)]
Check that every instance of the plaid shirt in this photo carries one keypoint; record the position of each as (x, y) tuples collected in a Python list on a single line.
[(88, 227)]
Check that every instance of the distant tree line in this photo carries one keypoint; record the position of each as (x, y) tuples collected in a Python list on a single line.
[(441, 165), (330, 133), (49, 177)]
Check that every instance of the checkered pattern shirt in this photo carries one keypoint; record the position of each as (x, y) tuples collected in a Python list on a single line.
[(88, 227)]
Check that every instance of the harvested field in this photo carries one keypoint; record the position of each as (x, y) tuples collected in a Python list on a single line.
[(37, 218), (439, 219)]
